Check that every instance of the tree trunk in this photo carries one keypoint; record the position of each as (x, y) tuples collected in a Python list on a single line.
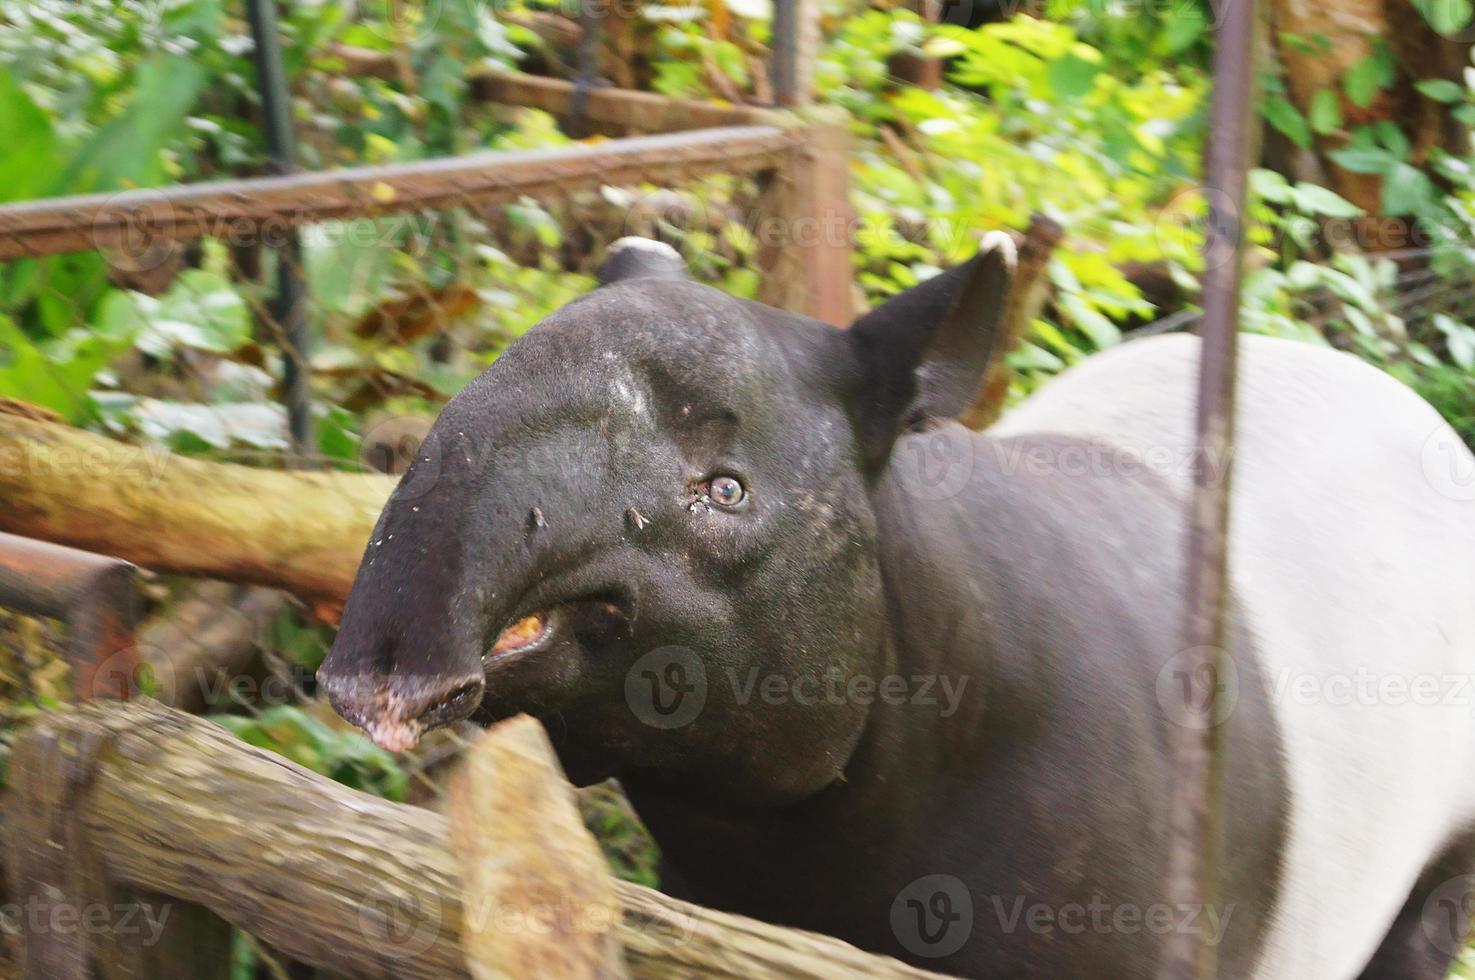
[(1318, 42)]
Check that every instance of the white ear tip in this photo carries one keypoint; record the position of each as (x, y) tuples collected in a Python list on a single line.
[(1003, 242), (633, 257), (648, 245)]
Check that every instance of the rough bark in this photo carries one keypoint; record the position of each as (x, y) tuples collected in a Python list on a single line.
[(173, 805), (300, 531), (525, 853)]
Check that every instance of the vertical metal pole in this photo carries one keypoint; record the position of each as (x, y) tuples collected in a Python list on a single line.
[(289, 307), (783, 66), (1194, 858), (588, 71)]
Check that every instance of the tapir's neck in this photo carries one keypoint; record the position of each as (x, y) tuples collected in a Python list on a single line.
[(928, 723)]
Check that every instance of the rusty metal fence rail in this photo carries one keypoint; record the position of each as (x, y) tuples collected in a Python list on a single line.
[(136, 220), (93, 595), (800, 165)]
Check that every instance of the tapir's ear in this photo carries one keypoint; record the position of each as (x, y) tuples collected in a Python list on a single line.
[(633, 257), (923, 353)]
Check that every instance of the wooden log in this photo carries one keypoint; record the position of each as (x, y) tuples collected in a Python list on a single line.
[(301, 531), (627, 110), (526, 856), (208, 639), (630, 110), (77, 921), (804, 234), (350, 883)]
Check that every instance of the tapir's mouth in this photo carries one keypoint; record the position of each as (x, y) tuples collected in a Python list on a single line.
[(397, 710), (529, 634)]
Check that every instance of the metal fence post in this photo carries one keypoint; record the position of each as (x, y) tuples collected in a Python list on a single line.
[(795, 43), (289, 307), (1194, 828)]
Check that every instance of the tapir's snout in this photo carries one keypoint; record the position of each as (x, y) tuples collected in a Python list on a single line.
[(397, 709)]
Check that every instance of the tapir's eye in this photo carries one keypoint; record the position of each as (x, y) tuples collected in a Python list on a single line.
[(726, 491)]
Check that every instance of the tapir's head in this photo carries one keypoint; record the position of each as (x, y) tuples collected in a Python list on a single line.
[(652, 503)]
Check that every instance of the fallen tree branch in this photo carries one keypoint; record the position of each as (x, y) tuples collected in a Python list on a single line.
[(171, 806)]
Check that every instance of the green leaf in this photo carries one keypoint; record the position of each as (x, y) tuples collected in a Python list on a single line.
[(1312, 199), (201, 310), (1270, 185), (1459, 339), (1392, 138), (1446, 16), (1072, 77), (1368, 77), (1407, 190), (30, 159), (1288, 119), (1326, 112), (336, 432), (58, 377), (259, 425), (1370, 160), (1186, 26), (127, 151), (1442, 90)]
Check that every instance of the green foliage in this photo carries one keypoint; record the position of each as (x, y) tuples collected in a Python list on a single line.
[(1446, 16), (1032, 122), (1364, 80), (55, 374), (345, 756)]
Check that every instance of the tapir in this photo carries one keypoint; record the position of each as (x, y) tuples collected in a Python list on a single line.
[(866, 672)]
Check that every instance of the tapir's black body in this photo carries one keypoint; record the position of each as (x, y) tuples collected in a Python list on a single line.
[(1058, 759), (580, 474)]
